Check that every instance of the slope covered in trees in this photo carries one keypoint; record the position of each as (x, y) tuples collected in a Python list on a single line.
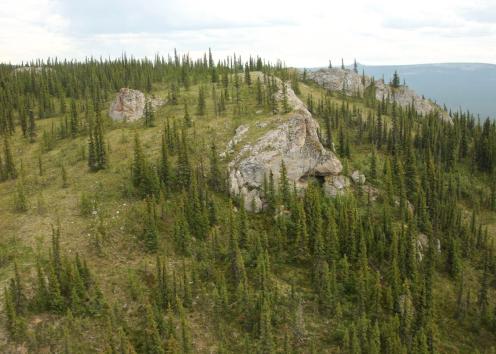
[(123, 238)]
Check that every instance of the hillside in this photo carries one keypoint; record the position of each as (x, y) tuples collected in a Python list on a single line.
[(195, 206)]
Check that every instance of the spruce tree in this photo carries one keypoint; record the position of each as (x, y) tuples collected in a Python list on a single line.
[(41, 169), (8, 169), (20, 199), (259, 91), (138, 166), (284, 190), (215, 179), (265, 327), (150, 232), (151, 336), (247, 75), (31, 126), (63, 173), (165, 173), (285, 103), (23, 122), (149, 120), (202, 103), (183, 175), (97, 150), (187, 118), (396, 80), (74, 121), (373, 167), (182, 236)]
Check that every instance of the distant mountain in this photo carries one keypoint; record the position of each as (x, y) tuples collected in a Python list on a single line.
[(469, 86)]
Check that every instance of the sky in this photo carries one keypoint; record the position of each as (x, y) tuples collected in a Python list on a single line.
[(305, 33)]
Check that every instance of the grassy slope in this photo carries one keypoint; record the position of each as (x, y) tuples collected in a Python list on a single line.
[(22, 236)]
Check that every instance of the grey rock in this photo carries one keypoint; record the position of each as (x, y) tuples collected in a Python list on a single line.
[(32, 69), (294, 141), (262, 124), (357, 177), (129, 105), (336, 185), (423, 245), (238, 136), (352, 83), (335, 79)]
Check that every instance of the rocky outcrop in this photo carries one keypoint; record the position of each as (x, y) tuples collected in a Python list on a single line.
[(357, 177), (32, 69), (336, 185), (340, 80), (352, 83), (129, 105), (238, 136), (295, 142), (422, 245)]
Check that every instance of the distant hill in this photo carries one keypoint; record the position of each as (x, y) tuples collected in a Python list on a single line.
[(471, 86)]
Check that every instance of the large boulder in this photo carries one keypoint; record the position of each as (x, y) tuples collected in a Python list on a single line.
[(335, 79), (357, 177), (295, 141), (129, 105), (352, 83)]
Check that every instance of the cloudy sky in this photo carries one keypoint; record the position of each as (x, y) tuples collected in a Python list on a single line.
[(303, 33)]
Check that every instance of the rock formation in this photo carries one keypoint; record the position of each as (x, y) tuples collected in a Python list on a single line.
[(295, 141), (32, 69), (129, 105), (352, 83), (336, 185), (357, 177), (238, 136)]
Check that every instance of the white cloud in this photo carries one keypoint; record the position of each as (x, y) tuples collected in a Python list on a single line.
[(32, 29), (302, 33)]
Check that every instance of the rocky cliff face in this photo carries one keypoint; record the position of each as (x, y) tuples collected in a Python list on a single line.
[(352, 83), (129, 105), (294, 141)]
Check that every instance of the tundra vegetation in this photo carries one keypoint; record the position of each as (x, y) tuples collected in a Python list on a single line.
[(125, 236)]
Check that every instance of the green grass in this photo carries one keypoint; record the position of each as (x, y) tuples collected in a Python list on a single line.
[(122, 261), (121, 253)]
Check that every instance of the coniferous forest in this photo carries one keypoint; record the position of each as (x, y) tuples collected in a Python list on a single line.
[(125, 237)]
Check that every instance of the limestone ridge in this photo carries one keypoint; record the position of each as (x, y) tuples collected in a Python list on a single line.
[(295, 142), (352, 83), (129, 105)]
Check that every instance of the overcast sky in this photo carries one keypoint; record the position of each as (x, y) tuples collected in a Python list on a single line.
[(304, 33)]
